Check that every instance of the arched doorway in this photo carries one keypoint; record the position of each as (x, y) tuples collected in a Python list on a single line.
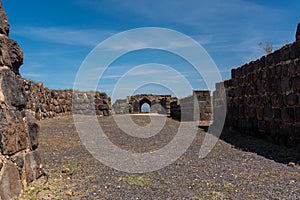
[(145, 105), (145, 108)]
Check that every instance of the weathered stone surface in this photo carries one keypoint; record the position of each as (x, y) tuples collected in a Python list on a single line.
[(12, 89), (11, 55), (10, 182), (18, 130), (4, 25), (32, 130), (13, 132), (292, 99), (270, 87), (134, 103), (194, 107), (18, 160), (45, 103), (32, 167)]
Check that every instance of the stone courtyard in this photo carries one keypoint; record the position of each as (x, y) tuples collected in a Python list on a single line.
[(238, 167)]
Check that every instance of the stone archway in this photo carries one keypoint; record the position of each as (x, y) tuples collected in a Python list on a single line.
[(160, 102), (142, 102)]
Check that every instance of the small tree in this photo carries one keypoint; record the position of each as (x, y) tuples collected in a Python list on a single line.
[(267, 47)]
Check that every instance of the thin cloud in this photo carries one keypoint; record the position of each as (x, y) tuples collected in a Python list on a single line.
[(148, 72), (111, 76), (31, 75), (69, 36)]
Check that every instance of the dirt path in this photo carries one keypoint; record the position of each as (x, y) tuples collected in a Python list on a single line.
[(226, 173)]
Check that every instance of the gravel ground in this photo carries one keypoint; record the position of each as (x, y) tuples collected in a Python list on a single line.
[(239, 167)]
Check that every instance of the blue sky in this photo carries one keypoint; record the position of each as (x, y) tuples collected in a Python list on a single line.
[(57, 35)]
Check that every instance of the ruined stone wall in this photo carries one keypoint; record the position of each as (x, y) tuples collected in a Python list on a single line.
[(45, 103), (197, 106), (175, 109), (19, 161), (194, 107), (263, 96), (121, 106), (158, 103)]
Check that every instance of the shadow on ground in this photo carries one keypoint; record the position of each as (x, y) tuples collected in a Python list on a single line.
[(260, 146)]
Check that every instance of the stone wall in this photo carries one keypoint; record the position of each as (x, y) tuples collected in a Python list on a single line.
[(45, 103), (263, 96), (19, 161), (194, 107), (158, 104), (121, 106)]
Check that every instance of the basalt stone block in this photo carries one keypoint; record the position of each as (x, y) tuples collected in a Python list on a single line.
[(275, 86), (260, 88), (13, 133), (268, 114), (277, 115), (297, 66), (266, 100), (278, 68), (11, 54), (18, 160), (296, 84), (252, 112), (265, 73), (233, 73), (274, 128), (285, 53), (280, 100), (32, 130), (297, 115), (12, 89), (259, 113), (10, 183), (292, 69), (284, 70), (272, 72), (285, 85), (292, 99), (256, 65), (32, 167), (288, 115), (276, 56), (269, 61), (261, 126), (294, 136)]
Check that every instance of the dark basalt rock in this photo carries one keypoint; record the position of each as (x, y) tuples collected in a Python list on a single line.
[(11, 54), (19, 162), (298, 33), (12, 88)]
